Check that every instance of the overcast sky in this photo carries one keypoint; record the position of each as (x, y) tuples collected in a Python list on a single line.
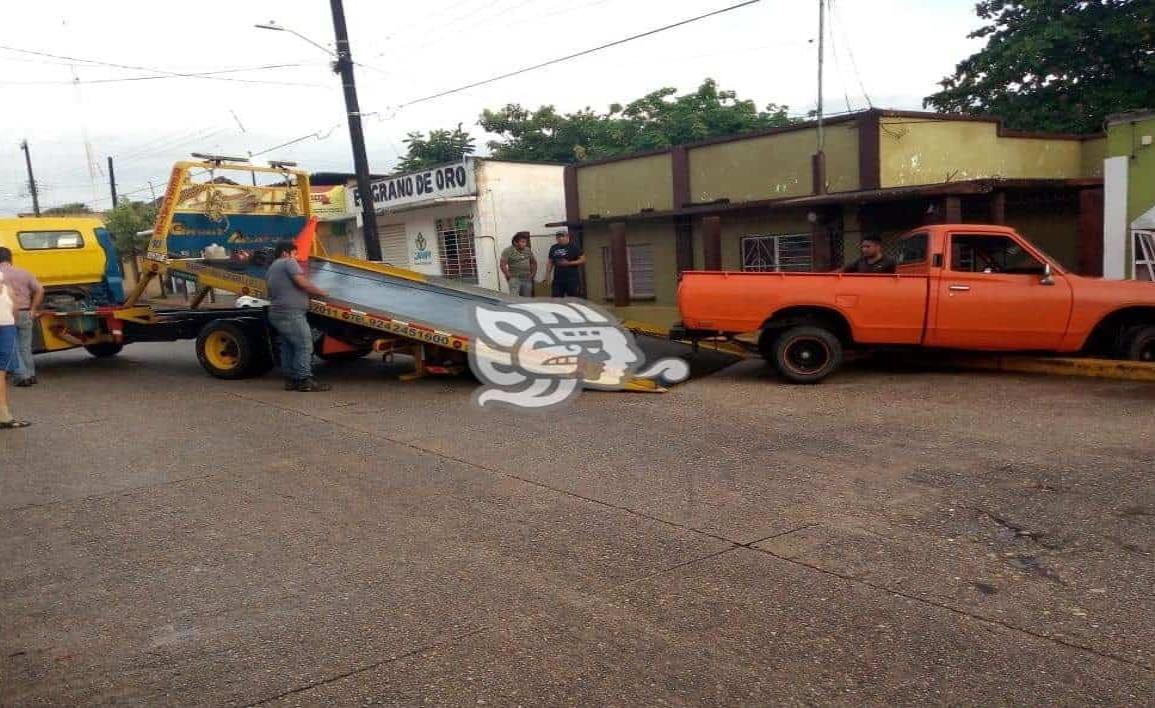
[(901, 48)]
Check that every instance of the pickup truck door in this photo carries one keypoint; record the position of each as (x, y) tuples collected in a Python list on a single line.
[(991, 295)]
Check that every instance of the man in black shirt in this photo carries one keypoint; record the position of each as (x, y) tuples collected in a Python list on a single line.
[(564, 260), (873, 260)]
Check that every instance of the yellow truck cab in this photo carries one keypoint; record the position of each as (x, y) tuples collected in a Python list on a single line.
[(70, 256), (73, 257)]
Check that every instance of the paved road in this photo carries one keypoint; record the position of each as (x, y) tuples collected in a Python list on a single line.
[(886, 537)]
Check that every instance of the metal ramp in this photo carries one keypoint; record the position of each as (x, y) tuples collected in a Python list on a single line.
[(443, 308), (401, 295)]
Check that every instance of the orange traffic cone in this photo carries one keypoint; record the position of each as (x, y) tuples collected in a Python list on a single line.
[(304, 240)]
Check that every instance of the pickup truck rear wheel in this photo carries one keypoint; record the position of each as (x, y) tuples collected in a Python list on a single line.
[(1141, 344), (807, 354)]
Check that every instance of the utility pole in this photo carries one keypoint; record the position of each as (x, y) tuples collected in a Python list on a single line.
[(344, 67), (31, 179), (821, 48), (112, 181), (820, 156)]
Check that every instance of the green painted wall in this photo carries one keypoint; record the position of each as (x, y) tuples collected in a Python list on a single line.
[(1053, 227), (916, 152), (1093, 152), (773, 166), (1123, 139), (626, 187)]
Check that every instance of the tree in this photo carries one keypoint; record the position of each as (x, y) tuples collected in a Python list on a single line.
[(659, 119), (440, 147), (1056, 64), (67, 209), (124, 223)]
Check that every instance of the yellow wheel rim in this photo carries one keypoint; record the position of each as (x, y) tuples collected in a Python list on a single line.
[(222, 351)]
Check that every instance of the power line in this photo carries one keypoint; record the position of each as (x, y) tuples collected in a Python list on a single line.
[(194, 75), (835, 53), (197, 75), (578, 54), (325, 133), (850, 51)]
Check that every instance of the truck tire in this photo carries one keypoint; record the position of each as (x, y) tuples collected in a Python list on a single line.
[(1140, 344), (233, 349), (103, 350), (806, 354)]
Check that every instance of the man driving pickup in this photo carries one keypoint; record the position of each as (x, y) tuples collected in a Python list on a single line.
[(872, 260)]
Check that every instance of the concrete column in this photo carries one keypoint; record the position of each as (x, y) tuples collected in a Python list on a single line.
[(1091, 232), (999, 208), (684, 243), (820, 255), (818, 173), (619, 262), (712, 242)]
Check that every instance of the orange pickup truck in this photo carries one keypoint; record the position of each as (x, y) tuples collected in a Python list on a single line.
[(957, 286)]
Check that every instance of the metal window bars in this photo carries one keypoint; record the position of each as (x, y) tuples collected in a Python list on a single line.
[(782, 252), (1144, 255), (456, 246)]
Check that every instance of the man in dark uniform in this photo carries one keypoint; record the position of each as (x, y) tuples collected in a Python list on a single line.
[(565, 261), (873, 260)]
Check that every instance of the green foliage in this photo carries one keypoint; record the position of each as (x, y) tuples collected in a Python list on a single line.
[(125, 221), (440, 147), (660, 119), (67, 209), (1059, 65)]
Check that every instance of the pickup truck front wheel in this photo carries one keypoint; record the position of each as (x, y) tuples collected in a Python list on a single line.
[(806, 354)]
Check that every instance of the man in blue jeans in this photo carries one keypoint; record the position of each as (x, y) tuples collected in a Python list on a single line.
[(289, 292), (28, 295)]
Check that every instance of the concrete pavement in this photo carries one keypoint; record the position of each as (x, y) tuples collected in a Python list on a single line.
[(886, 537)]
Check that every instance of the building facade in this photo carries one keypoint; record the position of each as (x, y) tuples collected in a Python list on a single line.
[(454, 220), (335, 223), (771, 201), (1129, 210)]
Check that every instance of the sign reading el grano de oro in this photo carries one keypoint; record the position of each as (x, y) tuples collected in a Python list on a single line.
[(441, 182)]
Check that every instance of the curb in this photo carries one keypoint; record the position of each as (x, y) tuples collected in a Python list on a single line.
[(1086, 368)]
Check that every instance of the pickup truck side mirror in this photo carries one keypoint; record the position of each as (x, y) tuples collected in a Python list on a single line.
[(1047, 278)]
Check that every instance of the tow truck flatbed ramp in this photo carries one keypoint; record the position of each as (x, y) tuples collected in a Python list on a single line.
[(402, 295)]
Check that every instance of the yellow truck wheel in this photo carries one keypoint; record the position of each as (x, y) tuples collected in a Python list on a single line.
[(233, 349)]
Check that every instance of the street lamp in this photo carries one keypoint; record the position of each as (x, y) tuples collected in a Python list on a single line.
[(343, 65), (271, 25)]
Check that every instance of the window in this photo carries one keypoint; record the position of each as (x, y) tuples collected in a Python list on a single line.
[(639, 265), (786, 252), (455, 244), (49, 240), (991, 254), (912, 249)]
